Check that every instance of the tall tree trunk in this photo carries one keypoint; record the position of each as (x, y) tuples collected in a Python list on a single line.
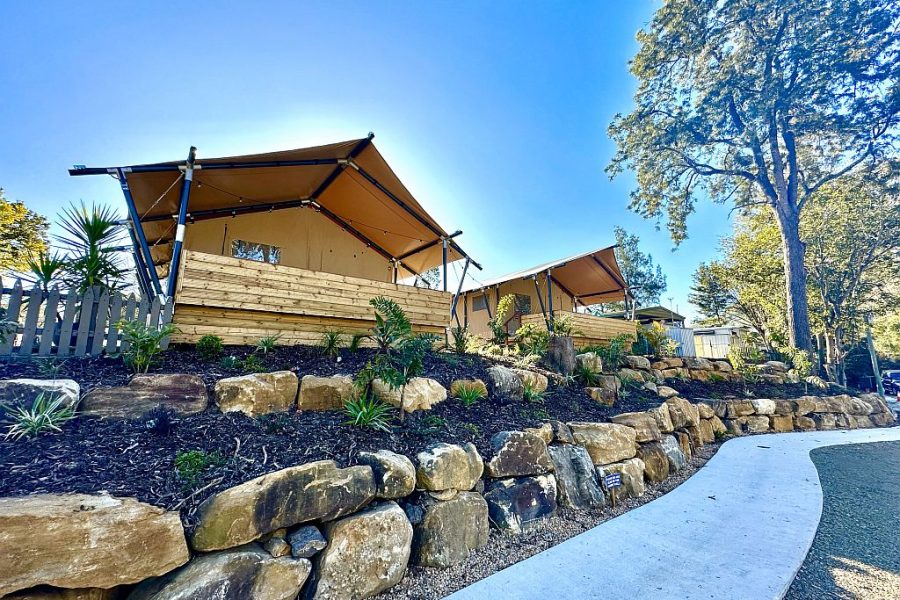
[(794, 276)]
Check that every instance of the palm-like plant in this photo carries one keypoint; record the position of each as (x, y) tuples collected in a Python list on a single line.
[(89, 238), (46, 269)]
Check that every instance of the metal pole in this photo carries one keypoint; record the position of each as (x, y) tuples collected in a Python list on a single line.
[(550, 300), (540, 298), (139, 231), (182, 217), (139, 267), (459, 290), (444, 259), (873, 356)]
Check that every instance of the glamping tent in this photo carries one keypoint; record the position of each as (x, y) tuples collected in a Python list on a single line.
[(293, 243), (557, 288)]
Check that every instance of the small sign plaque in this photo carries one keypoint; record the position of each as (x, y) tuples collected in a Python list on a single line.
[(613, 480)]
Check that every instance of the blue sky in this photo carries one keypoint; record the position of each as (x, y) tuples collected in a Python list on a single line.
[(493, 114)]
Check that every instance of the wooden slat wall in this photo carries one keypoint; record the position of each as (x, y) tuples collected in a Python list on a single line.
[(242, 301), (592, 330)]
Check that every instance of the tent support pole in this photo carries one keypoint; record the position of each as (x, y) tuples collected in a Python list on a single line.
[(139, 267), (487, 304), (139, 231), (182, 217), (550, 300), (459, 291), (540, 298), (444, 260)]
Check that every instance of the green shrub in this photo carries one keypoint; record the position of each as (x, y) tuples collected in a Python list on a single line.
[(532, 339), (433, 422), (460, 336), (531, 394), (209, 347), (498, 323), (230, 363), (143, 343), (586, 375), (715, 378), (614, 353), (469, 395), (562, 326), (368, 412), (191, 465), (47, 413), (331, 344), (267, 344), (252, 364)]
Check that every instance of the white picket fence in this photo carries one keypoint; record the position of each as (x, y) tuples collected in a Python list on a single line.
[(57, 323)]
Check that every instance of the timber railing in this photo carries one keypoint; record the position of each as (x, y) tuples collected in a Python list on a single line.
[(589, 329), (67, 323)]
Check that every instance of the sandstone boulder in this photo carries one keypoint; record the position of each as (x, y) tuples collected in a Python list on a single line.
[(84, 541), (632, 471), (637, 362), (784, 407), (236, 574), (863, 421), (448, 531), (804, 405), (505, 384), (763, 406), (517, 454), (651, 387), (662, 417), (576, 477), (421, 393), (718, 426), (656, 463), (19, 393), (748, 424), (665, 391), (605, 442), (825, 421), (324, 393), (631, 375), (590, 361), (561, 433), (395, 474), (468, 384), (781, 423), (545, 432), (804, 423), (182, 394), (674, 454), (449, 467), (367, 553), (697, 364), (732, 409), (514, 505), (277, 547), (883, 419), (682, 412), (52, 593), (722, 365), (695, 435), (684, 440), (602, 395), (707, 434), (705, 410), (536, 381), (257, 394), (560, 355), (643, 423), (314, 491)]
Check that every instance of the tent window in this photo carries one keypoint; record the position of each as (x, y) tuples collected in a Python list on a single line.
[(523, 304), (254, 251), (479, 303)]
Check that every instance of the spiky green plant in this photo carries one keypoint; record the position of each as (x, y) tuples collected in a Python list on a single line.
[(47, 413), (267, 344), (586, 375), (532, 394), (90, 237), (460, 336), (144, 343), (46, 269), (331, 344), (469, 395), (368, 412)]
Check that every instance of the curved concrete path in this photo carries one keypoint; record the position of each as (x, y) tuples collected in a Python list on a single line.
[(738, 528)]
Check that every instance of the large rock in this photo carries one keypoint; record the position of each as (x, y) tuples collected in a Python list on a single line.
[(602, 395), (674, 454), (182, 394), (18, 393), (705, 410), (545, 432), (420, 393), (684, 440), (763, 406), (732, 409), (804, 423), (682, 412), (505, 384), (560, 355), (750, 424), (637, 362), (722, 365), (825, 421), (576, 477), (781, 423), (449, 467), (515, 505), (632, 471), (784, 407), (590, 361), (367, 553), (643, 423), (306, 541), (656, 463), (317, 490), (536, 381), (258, 393), (449, 530), (324, 393), (517, 454), (664, 391), (395, 474), (696, 363), (236, 574), (804, 405), (662, 417), (85, 541), (605, 442), (707, 434), (468, 384), (773, 367), (718, 426), (631, 375)]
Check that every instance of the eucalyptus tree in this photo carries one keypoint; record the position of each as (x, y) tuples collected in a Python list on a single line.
[(759, 102)]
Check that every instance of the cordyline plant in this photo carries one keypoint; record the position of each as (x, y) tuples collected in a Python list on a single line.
[(399, 352)]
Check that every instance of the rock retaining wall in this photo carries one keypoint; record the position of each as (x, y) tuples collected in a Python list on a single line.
[(328, 532)]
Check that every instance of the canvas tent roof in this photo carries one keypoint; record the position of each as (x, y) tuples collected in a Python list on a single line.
[(592, 277), (350, 182), (651, 313)]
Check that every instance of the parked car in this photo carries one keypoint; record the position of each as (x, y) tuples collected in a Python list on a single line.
[(890, 380)]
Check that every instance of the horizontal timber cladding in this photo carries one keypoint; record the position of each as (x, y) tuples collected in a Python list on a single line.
[(590, 330), (243, 300)]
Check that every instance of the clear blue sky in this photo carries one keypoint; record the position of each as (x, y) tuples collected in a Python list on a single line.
[(493, 114)]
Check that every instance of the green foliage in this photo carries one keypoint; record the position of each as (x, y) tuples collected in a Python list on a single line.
[(460, 337), (191, 465), (886, 334), (252, 364), (646, 280), (715, 378), (800, 360), (143, 343), (47, 414), (331, 344), (50, 368), (532, 339), (469, 395), (498, 323), (23, 234), (368, 412), (46, 270), (586, 375), (433, 422), (612, 354), (355, 341), (532, 394), (712, 295), (267, 344), (209, 347), (473, 429), (230, 363), (89, 237)]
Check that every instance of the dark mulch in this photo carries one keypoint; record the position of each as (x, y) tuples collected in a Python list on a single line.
[(696, 390)]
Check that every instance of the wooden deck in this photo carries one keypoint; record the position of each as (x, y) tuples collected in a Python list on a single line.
[(242, 301), (591, 330)]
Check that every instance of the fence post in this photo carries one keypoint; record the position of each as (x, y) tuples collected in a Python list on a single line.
[(49, 329), (29, 328), (12, 314)]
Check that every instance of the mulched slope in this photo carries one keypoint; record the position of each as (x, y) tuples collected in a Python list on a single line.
[(128, 459), (715, 390)]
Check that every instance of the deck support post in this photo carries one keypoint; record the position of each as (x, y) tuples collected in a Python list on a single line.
[(550, 300), (459, 291), (182, 217), (139, 232)]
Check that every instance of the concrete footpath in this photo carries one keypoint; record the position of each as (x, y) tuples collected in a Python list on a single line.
[(739, 528)]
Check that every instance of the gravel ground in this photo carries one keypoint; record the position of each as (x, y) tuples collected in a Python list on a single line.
[(503, 550), (855, 551)]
